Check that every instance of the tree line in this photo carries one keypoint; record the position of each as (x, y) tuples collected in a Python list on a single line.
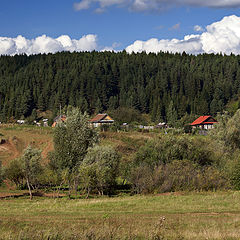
[(166, 86)]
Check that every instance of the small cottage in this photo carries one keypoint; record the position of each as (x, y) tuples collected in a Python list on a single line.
[(204, 122), (101, 119), (58, 119)]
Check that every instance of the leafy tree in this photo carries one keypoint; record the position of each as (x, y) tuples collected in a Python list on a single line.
[(72, 139), (1, 173), (128, 115), (232, 137), (14, 172), (31, 167), (235, 176), (227, 130), (99, 169)]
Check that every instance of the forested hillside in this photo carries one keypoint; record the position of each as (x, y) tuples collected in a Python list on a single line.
[(98, 81)]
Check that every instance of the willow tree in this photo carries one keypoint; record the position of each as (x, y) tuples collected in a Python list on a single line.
[(31, 167), (99, 169), (72, 139)]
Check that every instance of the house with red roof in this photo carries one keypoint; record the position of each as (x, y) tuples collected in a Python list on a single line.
[(58, 119), (101, 119), (204, 122)]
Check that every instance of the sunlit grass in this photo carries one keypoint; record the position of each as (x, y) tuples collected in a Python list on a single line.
[(187, 216)]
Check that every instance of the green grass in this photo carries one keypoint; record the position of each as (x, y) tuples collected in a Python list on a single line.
[(187, 216)]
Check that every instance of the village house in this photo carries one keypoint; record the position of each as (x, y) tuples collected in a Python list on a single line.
[(45, 122), (101, 119), (58, 119), (204, 122)]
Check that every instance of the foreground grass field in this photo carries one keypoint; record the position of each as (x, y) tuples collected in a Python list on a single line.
[(167, 216)]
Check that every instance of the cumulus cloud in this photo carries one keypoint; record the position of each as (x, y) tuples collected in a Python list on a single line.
[(155, 5), (219, 37), (190, 44), (45, 44)]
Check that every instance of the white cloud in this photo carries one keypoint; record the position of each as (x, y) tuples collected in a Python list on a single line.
[(45, 44), (198, 28), (84, 4), (190, 44), (102, 4), (222, 36), (7, 46), (156, 5)]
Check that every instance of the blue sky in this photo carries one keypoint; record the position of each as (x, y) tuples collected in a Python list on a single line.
[(113, 24)]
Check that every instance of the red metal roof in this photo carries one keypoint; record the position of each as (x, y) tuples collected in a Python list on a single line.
[(203, 120)]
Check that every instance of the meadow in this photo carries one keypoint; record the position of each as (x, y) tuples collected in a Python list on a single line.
[(171, 215), (202, 215)]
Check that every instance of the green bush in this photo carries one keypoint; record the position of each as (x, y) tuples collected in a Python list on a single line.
[(14, 173), (176, 163), (168, 148), (1, 173), (179, 175), (235, 176), (99, 169)]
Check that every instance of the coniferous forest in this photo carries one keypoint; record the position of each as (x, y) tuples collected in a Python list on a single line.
[(101, 81)]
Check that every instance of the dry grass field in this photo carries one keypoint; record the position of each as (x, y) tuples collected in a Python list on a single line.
[(167, 216), (17, 138)]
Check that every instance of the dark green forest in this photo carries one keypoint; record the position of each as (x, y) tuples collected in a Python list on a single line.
[(99, 81)]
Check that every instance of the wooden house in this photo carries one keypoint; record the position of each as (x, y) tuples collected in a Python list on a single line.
[(58, 119), (204, 122), (101, 119)]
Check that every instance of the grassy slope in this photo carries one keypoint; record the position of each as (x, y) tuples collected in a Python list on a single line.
[(188, 216), (19, 137)]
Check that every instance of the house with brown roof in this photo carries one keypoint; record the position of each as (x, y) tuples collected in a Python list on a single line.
[(58, 119), (204, 122), (101, 119)]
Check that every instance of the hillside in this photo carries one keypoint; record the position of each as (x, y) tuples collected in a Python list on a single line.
[(16, 138), (161, 85)]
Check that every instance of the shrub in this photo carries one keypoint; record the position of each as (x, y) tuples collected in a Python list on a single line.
[(99, 169), (168, 148), (179, 175), (14, 173), (1, 173), (235, 177), (172, 163)]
